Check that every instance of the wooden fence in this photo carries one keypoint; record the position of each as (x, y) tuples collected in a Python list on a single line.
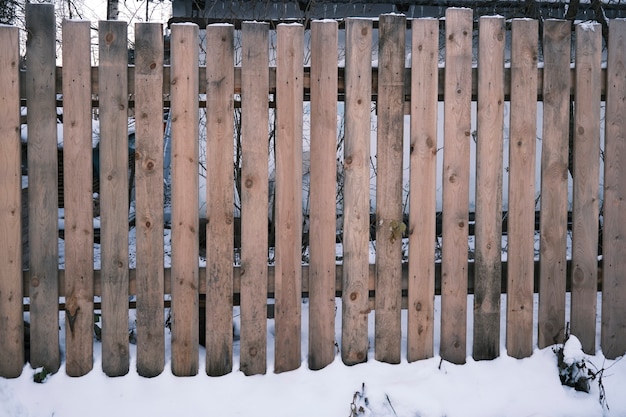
[(149, 85)]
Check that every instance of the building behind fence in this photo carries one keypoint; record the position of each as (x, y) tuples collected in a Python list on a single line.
[(387, 286)]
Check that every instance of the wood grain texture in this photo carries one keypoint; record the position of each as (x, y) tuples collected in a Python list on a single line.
[(521, 227), (423, 183), (586, 185), (42, 186), (149, 198), (489, 161), (613, 337), (389, 221), (11, 293), (355, 277), (78, 198), (554, 175), (322, 227), (185, 193), (289, 74), (456, 173), (220, 204), (254, 197), (114, 195)]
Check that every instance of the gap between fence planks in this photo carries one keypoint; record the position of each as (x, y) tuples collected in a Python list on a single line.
[(149, 198)]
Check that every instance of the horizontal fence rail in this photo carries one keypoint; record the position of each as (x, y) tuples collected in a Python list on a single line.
[(200, 300)]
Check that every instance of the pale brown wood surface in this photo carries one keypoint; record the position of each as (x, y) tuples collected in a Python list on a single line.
[(42, 187), (456, 173), (288, 311), (489, 161), (12, 320), (149, 198), (521, 227), (78, 199), (389, 221), (613, 338), (114, 196), (355, 309), (423, 183), (254, 197), (185, 193), (554, 174), (220, 232), (586, 175), (322, 226)]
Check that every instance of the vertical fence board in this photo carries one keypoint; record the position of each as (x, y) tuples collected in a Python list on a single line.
[(254, 196), (78, 198), (42, 187), (220, 232), (554, 174), (613, 338), (358, 78), (289, 82), (423, 183), (113, 95), (456, 173), (322, 227), (586, 185), (149, 197), (11, 317), (185, 220), (521, 221), (489, 148), (389, 222)]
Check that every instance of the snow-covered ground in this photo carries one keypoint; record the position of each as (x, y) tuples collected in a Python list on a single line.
[(502, 387)]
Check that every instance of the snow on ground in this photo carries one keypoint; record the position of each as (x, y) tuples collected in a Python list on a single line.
[(502, 387)]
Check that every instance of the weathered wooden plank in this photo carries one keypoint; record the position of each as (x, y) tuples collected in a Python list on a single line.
[(613, 338), (42, 187), (355, 309), (289, 73), (489, 148), (423, 183), (220, 232), (185, 193), (322, 227), (78, 198), (149, 198), (254, 197), (586, 185), (11, 317), (114, 195), (521, 222), (554, 173), (456, 173), (389, 222)]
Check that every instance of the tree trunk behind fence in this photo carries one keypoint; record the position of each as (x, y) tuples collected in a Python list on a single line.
[(113, 96), (389, 155), (613, 284), (456, 173), (488, 230), (521, 216), (586, 175), (423, 183), (254, 197), (220, 232), (356, 189), (78, 198), (185, 220), (42, 187), (289, 83), (11, 316), (554, 173), (149, 197)]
